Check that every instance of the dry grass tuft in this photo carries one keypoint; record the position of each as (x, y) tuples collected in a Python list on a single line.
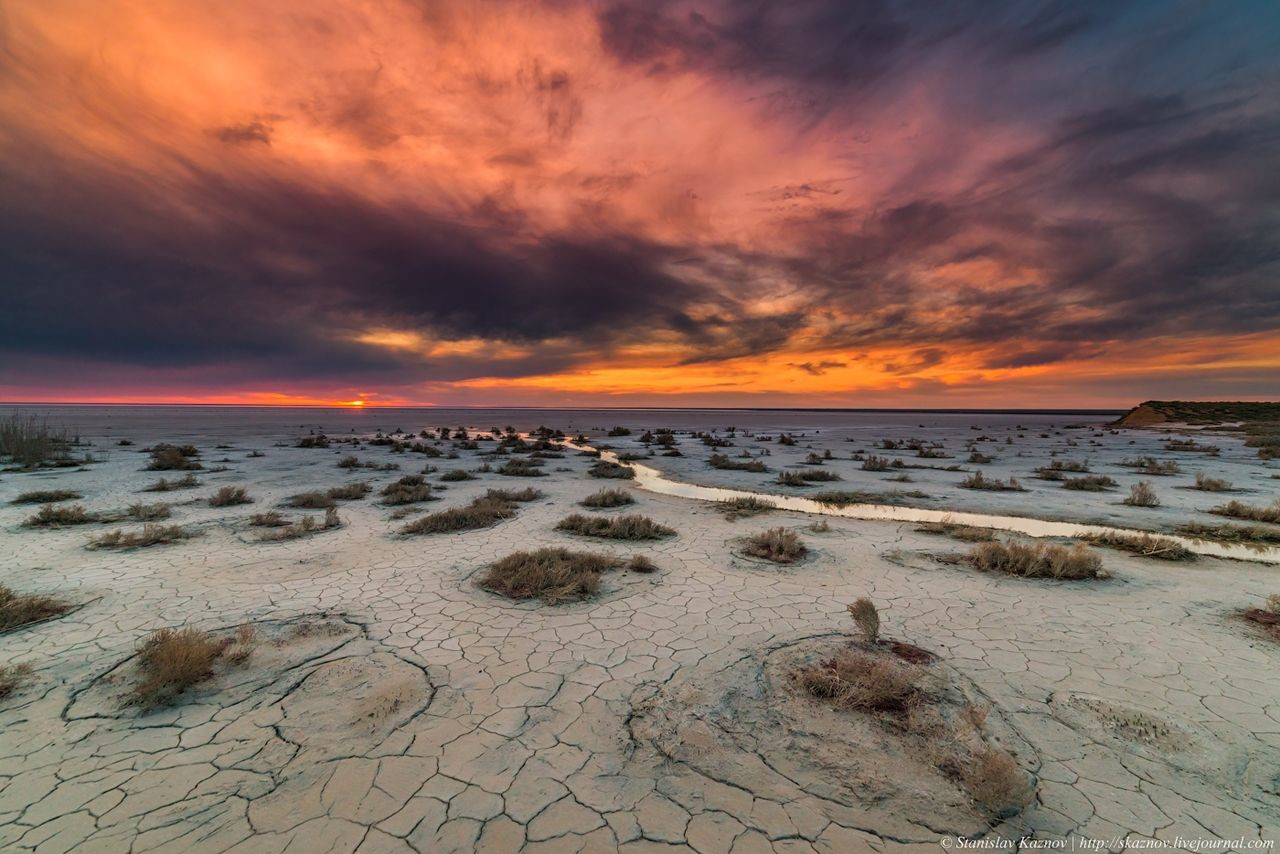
[(724, 462), (804, 477), (1142, 494), (608, 498), (47, 496), (410, 489), (522, 468), (553, 575), (229, 496), (1239, 510), (1143, 545), (521, 495), (966, 533), (1089, 483), (50, 516), (150, 535), (350, 491), (1254, 535), (30, 441), (149, 512), (173, 458), (978, 480), (1038, 561), (187, 481), (270, 519), (866, 681), (457, 475), (172, 660), (641, 564), (736, 508), (995, 782), (776, 544), (606, 469), (1204, 483), (867, 617), (629, 527), (18, 609), (303, 527), (483, 512), (13, 677)]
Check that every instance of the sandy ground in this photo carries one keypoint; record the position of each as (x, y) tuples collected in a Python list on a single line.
[(428, 715)]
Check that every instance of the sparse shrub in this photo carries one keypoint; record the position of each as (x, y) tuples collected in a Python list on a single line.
[(1037, 561), (619, 431), (52, 516), (735, 508), (1239, 510), (170, 661), (457, 475), (776, 544), (1252, 535), (18, 609), (1204, 483), (173, 457), (31, 441), (608, 498), (723, 461), (871, 682), (149, 512), (522, 468), (483, 512), (350, 461), (350, 491), (521, 495), (229, 496), (409, 489), (641, 564), (242, 645), (606, 469), (874, 463), (1089, 483), (314, 500), (629, 527), (1151, 466), (966, 533), (553, 575), (270, 519), (978, 480), (150, 535), (1144, 545), (185, 482), (1056, 469), (995, 782), (13, 677), (980, 459), (1142, 494), (47, 496), (867, 617), (303, 527)]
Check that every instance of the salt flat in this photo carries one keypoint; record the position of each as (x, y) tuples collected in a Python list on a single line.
[(395, 706)]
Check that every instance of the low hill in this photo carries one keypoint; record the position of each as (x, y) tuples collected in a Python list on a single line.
[(1154, 412)]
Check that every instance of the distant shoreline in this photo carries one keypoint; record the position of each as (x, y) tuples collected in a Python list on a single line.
[(371, 408)]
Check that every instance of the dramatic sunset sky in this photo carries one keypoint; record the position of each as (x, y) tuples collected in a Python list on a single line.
[(819, 203)]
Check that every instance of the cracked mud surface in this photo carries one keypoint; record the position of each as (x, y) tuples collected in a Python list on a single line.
[(437, 717)]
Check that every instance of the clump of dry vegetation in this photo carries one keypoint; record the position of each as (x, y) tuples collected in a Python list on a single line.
[(229, 496), (641, 564), (1251, 535), (804, 477), (13, 677), (1038, 561), (630, 527), (966, 533), (725, 462), (894, 681), (1057, 469), (52, 516), (150, 535), (745, 506), (46, 496), (457, 475), (1152, 466), (522, 468), (314, 500), (19, 609), (874, 463), (606, 469), (149, 512), (270, 519), (187, 481), (166, 457), (350, 491), (1142, 494), (30, 441), (1089, 483), (776, 544), (483, 512), (1250, 512), (608, 498), (410, 489), (303, 527), (171, 661), (1204, 483), (1268, 618), (552, 574), (1143, 545), (978, 480)]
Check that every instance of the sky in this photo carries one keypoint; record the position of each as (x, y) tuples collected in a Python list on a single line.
[(659, 203)]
